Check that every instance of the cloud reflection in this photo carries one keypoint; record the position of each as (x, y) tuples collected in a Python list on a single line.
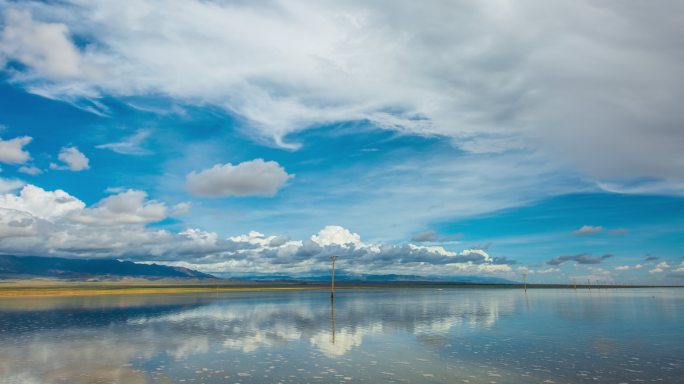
[(109, 344)]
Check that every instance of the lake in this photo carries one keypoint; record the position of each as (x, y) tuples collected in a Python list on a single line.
[(421, 335)]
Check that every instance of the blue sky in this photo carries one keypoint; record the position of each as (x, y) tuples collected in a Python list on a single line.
[(237, 138)]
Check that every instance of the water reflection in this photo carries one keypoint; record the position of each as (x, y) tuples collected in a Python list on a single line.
[(254, 323), (389, 335)]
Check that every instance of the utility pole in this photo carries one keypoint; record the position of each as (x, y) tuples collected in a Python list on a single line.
[(332, 285)]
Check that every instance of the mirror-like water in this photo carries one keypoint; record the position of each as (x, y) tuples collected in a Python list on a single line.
[(421, 335)]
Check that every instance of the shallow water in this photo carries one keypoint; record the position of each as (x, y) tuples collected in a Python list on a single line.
[(420, 335)]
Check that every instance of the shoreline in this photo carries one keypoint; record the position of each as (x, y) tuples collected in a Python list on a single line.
[(53, 288)]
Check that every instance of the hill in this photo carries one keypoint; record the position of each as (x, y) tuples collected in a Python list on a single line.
[(63, 268)]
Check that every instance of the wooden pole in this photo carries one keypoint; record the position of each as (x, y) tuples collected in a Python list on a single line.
[(574, 284), (589, 284), (525, 280), (332, 285), (332, 315)]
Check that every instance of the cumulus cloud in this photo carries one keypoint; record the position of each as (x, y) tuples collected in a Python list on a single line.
[(131, 145), (30, 170), (12, 151), (587, 230), (582, 258), (129, 207), (48, 205), (597, 83), (250, 178), (336, 235), (661, 267), (16, 224), (72, 159), (41, 222), (7, 185), (680, 268)]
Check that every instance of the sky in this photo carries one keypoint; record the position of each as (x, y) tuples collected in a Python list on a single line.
[(431, 138)]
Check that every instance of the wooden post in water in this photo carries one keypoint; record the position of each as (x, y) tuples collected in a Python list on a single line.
[(332, 316), (589, 284), (574, 284), (525, 280), (332, 283)]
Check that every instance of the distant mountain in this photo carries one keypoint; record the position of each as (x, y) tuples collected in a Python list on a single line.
[(379, 279), (63, 268)]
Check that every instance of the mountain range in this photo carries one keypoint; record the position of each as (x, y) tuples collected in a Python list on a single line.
[(17, 267), (26, 267)]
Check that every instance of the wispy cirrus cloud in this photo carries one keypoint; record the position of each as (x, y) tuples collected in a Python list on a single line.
[(432, 236), (495, 82), (130, 145)]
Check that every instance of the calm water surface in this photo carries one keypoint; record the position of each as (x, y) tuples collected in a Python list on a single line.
[(373, 336)]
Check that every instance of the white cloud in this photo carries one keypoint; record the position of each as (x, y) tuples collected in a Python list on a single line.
[(48, 205), (73, 159), (12, 151), (480, 252), (181, 209), (526, 270), (15, 223), (597, 84), (628, 267), (129, 207), (41, 222), (8, 185), (131, 145), (548, 270), (30, 170), (587, 230), (336, 235), (44, 47), (661, 267), (680, 268), (250, 178)]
